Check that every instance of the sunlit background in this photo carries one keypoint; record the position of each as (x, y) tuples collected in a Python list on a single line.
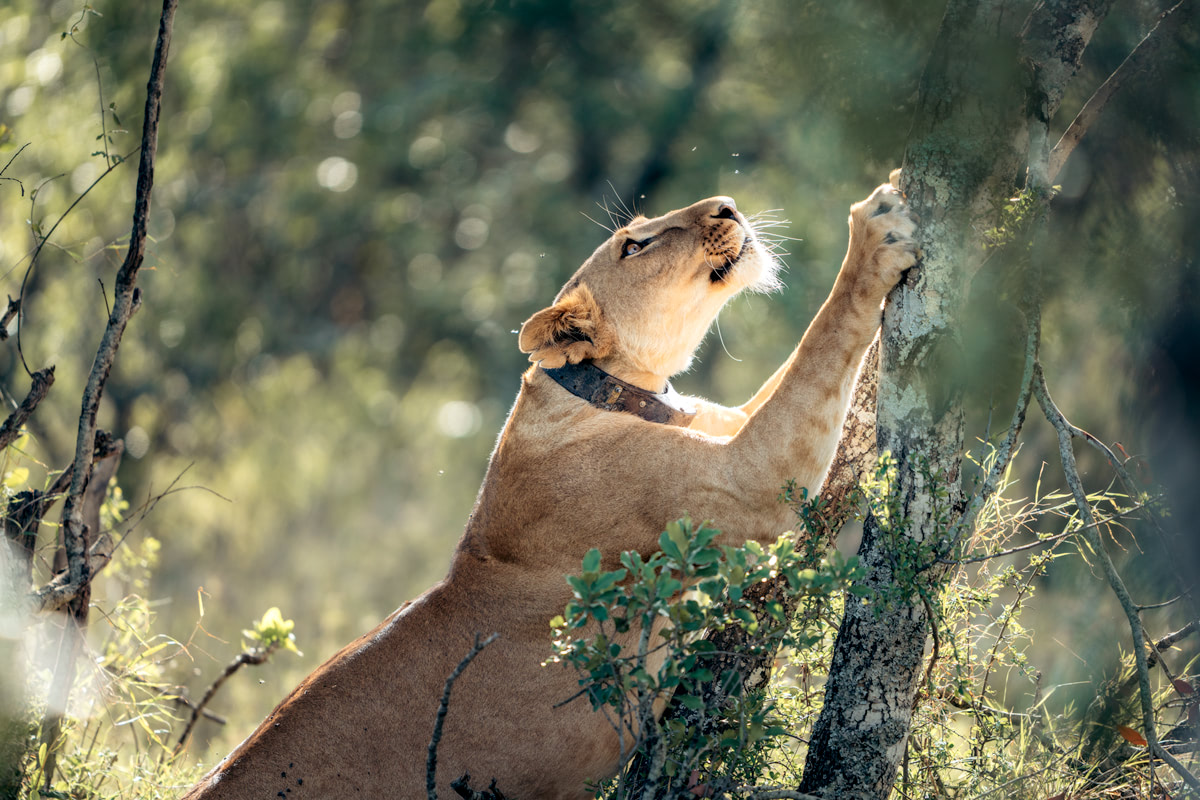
[(358, 203)]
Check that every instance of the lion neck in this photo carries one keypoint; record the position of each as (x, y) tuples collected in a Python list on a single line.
[(649, 360)]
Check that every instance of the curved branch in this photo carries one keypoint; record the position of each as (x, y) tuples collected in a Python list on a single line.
[(1065, 433)]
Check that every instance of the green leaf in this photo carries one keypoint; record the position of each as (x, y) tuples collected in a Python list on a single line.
[(673, 541), (591, 561)]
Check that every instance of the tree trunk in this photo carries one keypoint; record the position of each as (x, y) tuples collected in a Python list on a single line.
[(986, 99), (966, 149)]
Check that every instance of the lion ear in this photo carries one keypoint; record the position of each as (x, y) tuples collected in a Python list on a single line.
[(572, 329)]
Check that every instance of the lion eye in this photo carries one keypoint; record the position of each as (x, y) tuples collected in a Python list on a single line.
[(632, 248)]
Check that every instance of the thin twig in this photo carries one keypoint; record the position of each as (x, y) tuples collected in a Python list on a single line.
[(1135, 61), (9, 164), (43, 240), (933, 656), (180, 700), (256, 656), (1055, 539), (1071, 471), (1007, 448), (1165, 643), (443, 707)]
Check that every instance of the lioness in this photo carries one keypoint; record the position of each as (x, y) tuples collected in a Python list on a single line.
[(597, 452)]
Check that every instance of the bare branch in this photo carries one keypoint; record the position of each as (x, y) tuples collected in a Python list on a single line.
[(180, 700), (1165, 643), (443, 707), (1133, 63), (125, 301), (26, 509), (256, 656), (1007, 448), (40, 385), (46, 238), (1064, 430)]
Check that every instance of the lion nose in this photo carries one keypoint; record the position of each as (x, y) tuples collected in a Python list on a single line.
[(726, 208)]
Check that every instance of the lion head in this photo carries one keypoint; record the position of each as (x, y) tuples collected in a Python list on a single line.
[(644, 300)]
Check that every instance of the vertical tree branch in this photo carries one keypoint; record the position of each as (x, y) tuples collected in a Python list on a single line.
[(126, 300), (76, 544)]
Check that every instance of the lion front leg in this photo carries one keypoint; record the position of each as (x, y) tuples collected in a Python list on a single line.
[(796, 418)]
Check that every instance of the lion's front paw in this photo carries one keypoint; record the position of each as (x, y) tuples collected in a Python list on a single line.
[(881, 242)]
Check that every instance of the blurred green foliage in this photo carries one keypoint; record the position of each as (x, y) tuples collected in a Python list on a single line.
[(357, 204)]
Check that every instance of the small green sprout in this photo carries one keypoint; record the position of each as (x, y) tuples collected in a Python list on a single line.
[(273, 631)]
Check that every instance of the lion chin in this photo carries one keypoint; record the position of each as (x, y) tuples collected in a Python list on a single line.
[(575, 467)]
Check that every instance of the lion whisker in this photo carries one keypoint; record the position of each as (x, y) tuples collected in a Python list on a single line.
[(597, 222)]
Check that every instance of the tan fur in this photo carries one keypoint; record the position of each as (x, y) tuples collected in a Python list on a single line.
[(566, 477)]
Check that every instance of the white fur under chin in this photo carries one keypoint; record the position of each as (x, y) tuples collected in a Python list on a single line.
[(670, 349), (765, 268)]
